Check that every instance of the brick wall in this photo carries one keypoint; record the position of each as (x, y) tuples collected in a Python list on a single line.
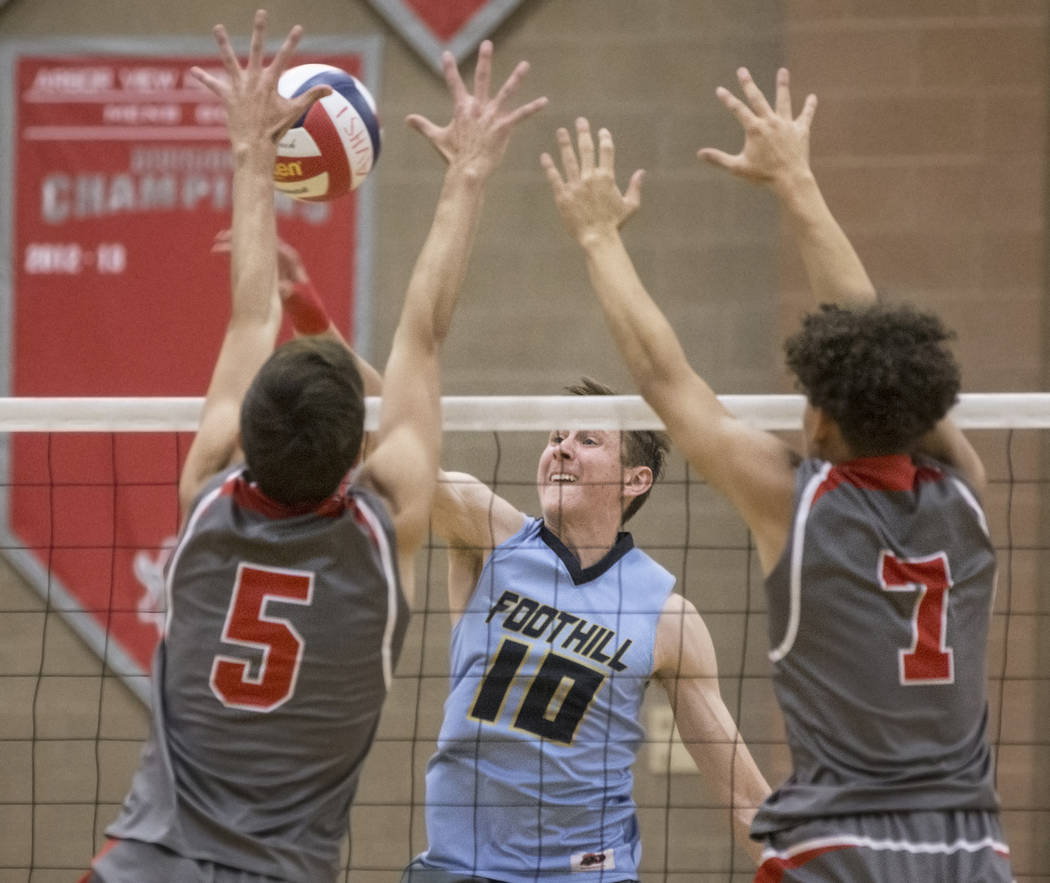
[(931, 144)]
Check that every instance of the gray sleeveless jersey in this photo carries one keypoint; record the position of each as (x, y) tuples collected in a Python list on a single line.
[(878, 619), (282, 631)]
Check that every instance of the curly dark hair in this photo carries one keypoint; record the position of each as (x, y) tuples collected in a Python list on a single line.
[(883, 373), (639, 447)]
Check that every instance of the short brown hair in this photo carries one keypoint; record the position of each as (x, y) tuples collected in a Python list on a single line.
[(639, 447), (302, 420)]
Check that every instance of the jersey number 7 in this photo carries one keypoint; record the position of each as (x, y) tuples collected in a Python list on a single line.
[(929, 660)]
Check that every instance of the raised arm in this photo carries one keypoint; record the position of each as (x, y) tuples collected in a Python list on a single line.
[(776, 155), (753, 468), (303, 306), (256, 117), (687, 669), (403, 466), (466, 512)]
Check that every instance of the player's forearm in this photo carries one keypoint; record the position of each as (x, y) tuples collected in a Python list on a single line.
[(735, 782), (750, 788), (642, 333), (711, 736), (835, 271), (254, 236), (442, 264)]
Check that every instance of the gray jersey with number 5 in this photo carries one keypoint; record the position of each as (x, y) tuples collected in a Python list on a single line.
[(878, 620), (283, 628)]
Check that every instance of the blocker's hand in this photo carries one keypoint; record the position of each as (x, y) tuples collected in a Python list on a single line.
[(255, 112), (478, 134), (776, 144), (585, 190)]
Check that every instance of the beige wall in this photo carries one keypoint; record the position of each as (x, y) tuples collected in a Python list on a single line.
[(930, 142)]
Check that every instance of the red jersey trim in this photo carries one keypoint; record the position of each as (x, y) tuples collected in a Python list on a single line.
[(247, 495), (893, 472), (773, 868), (110, 843)]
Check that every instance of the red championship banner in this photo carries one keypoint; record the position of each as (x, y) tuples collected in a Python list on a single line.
[(119, 172), (432, 26)]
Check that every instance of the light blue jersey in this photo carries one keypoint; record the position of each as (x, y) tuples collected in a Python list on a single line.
[(532, 777)]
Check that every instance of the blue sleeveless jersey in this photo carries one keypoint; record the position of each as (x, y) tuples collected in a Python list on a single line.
[(878, 617), (532, 777)]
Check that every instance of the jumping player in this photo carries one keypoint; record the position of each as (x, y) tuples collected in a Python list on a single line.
[(288, 586), (879, 569), (558, 624)]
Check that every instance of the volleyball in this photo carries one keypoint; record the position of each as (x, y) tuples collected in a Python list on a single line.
[(330, 150)]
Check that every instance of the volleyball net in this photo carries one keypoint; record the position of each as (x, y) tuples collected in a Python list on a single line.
[(90, 510)]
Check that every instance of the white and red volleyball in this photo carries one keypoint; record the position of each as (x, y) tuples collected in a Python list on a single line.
[(331, 149)]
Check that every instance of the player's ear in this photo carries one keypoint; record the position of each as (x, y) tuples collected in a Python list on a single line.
[(821, 426), (637, 480), (826, 437)]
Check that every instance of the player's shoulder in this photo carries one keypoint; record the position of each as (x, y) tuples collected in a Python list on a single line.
[(677, 605), (683, 641), (661, 577)]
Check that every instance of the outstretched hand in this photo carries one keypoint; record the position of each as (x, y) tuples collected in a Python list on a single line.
[(256, 113), (477, 135), (585, 190), (776, 144)]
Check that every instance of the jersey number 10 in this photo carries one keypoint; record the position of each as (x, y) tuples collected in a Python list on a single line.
[(554, 702)]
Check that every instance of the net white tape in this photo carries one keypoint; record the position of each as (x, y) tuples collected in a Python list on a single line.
[(499, 413)]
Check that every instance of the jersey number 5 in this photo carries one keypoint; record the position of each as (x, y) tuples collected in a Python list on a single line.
[(249, 625), (929, 660)]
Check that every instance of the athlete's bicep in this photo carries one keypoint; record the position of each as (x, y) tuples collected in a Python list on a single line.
[(687, 668), (402, 474), (754, 469), (213, 449), (474, 520)]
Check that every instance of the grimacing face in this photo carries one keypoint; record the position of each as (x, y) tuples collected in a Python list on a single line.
[(580, 470)]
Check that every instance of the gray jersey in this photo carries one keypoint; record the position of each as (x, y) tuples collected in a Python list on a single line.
[(878, 618), (282, 631)]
